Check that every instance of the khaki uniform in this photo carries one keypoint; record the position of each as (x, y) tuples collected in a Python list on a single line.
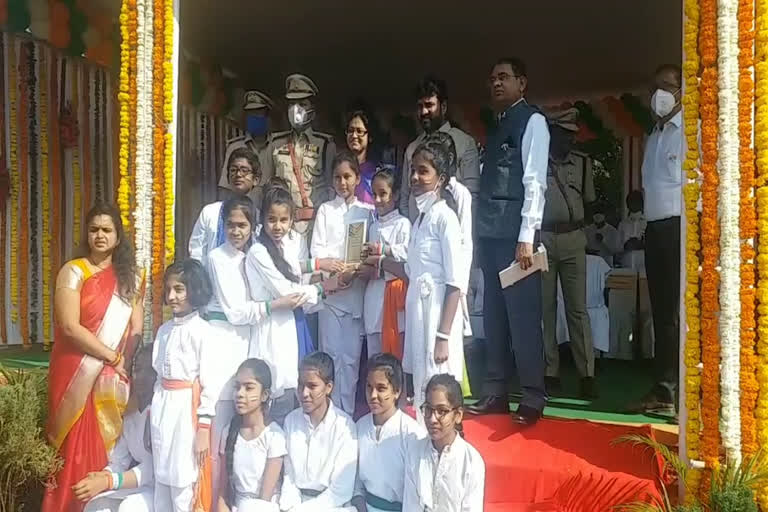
[(305, 158), (262, 151), (569, 186)]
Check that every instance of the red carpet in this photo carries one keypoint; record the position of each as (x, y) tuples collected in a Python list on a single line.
[(526, 467)]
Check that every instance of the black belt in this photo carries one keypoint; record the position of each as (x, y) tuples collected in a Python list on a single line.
[(561, 227), (312, 493), (382, 504)]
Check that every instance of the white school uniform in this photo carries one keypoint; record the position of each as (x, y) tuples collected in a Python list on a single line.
[(231, 314), (339, 322), (394, 231), (248, 463), (381, 456), (320, 459), (434, 261), (275, 340), (452, 481), (182, 352), (463, 198), (203, 238), (129, 454)]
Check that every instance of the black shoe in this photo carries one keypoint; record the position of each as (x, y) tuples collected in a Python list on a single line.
[(658, 401), (588, 391), (527, 416), (491, 404), (553, 386)]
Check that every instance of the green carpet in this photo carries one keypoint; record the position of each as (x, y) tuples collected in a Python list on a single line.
[(618, 383)]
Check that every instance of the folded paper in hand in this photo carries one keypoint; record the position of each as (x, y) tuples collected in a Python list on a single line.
[(515, 272)]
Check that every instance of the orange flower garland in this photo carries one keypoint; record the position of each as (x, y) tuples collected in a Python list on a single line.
[(13, 158), (691, 194), (123, 98), (710, 353), (24, 191), (3, 219), (168, 78), (77, 182), (86, 133), (133, 24), (44, 88), (158, 224), (55, 156), (748, 230)]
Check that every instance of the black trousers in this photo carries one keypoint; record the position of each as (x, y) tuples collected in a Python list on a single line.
[(662, 264), (512, 321)]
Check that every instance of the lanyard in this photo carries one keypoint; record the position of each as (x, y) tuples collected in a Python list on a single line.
[(297, 171)]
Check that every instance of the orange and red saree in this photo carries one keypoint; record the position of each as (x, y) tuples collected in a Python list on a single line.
[(86, 398)]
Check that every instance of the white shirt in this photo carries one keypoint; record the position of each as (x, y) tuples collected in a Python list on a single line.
[(322, 458), (453, 481), (467, 165), (250, 459), (382, 452), (610, 245), (662, 170), (203, 238), (632, 227), (130, 453), (226, 267), (394, 231), (535, 155), (329, 240), (463, 199), (275, 341)]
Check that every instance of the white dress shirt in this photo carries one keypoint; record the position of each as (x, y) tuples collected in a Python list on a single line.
[(321, 458), (226, 268), (382, 452), (394, 231), (535, 155), (203, 238), (248, 463), (329, 240), (451, 481), (663, 171)]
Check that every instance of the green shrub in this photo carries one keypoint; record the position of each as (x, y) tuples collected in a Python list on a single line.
[(26, 459)]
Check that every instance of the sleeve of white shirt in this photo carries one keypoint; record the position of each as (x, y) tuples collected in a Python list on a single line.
[(411, 499), (399, 249), (223, 276), (319, 244), (473, 497), (277, 444), (120, 459), (464, 210), (535, 156), (260, 269), (197, 239), (209, 381), (343, 476), (456, 271)]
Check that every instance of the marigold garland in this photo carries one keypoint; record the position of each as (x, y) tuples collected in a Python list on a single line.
[(124, 188), (748, 229), (710, 353), (691, 193), (158, 139), (56, 178), (168, 78), (761, 149), (132, 99), (34, 197), (3, 219), (24, 190), (45, 200), (77, 197), (14, 178), (85, 132)]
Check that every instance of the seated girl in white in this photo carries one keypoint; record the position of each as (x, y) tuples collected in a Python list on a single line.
[(382, 438), (127, 483), (443, 472), (272, 273), (255, 445), (232, 314), (322, 445)]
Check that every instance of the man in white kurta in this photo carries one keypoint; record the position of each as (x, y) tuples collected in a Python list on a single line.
[(321, 465), (451, 481), (381, 460), (339, 322)]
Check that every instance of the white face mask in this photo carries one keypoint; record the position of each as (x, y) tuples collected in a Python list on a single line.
[(663, 102), (425, 201), (599, 218), (299, 117)]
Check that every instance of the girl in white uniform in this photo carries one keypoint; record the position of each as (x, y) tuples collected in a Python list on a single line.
[(272, 273), (443, 472), (209, 231), (255, 446), (382, 438), (384, 301), (437, 274), (127, 483), (322, 445), (185, 393), (232, 314), (339, 322)]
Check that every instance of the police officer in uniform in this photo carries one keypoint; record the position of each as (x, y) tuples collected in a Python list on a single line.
[(256, 107), (303, 156), (569, 187)]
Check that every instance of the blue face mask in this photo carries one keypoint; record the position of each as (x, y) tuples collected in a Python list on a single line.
[(257, 124)]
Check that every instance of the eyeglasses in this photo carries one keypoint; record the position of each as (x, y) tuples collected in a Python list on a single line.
[(356, 131), (501, 77), (440, 412), (242, 171)]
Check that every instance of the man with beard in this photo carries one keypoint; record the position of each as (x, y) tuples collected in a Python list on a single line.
[(432, 110)]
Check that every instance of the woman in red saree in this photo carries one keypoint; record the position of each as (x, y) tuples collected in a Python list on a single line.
[(97, 307)]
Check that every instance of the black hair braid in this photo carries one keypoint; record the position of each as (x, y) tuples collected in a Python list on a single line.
[(229, 451), (277, 256)]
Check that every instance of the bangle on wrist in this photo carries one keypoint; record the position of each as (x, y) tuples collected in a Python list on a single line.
[(115, 361), (110, 481), (442, 336)]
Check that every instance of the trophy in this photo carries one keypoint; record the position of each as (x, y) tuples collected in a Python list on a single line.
[(354, 241)]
